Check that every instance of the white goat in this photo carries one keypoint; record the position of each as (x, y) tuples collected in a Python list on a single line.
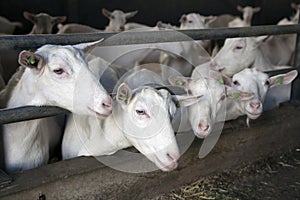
[(248, 12), (54, 75), (212, 106), (240, 53), (8, 27), (117, 19), (43, 22), (141, 118), (260, 84), (245, 21)]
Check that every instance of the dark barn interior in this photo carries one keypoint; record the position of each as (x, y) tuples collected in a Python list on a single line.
[(89, 12)]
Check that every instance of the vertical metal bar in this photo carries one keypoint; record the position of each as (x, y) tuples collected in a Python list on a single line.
[(4, 178), (295, 95), (2, 148)]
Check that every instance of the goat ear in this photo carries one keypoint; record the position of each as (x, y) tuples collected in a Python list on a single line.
[(240, 8), (183, 19), (87, 47), (29, 16), (180, 81), (238, 95), (282, 79), (31, 60), (222, 79), (185, 101), (130, 14), (58, 19), (124, 94), (261, 39), (106, 13), (209, 19)]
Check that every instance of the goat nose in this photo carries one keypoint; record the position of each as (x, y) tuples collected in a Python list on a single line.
[(203, 126), (122, 28), (213, 64), (255, 105), (172, 157), (107, 105)]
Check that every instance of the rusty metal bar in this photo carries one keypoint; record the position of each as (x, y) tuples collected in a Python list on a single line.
[(18, 42)]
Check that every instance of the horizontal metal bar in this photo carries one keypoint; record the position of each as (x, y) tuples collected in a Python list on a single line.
[(28, 113), (18, 42), (280, 71)]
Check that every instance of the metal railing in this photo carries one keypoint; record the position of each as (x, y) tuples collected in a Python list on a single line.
[(19, 42)]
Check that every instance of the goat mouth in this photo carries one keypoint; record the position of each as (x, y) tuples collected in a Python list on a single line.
[(99, 114), (253, 115), (201, 135)]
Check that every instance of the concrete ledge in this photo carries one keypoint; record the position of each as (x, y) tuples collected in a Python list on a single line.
[(276, 131)]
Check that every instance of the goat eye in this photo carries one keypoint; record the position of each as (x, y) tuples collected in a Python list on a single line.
[(59, 71), (222, 98), (140, 112), (190, 21), (238, 47), (236, 83)]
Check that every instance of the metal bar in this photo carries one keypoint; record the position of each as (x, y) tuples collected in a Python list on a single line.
[(28, 113), (295, 93), (18, 42), (279, 71)]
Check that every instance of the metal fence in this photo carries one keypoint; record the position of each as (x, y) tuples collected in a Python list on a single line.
[(19, 42)]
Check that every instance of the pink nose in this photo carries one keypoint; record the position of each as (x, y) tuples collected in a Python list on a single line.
[(107, 104), (255, 105), (203, 126), (173, 159), (213, 64)]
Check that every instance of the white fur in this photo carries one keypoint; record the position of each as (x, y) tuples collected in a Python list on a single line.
[(153, 136), (249, 80), (259, 83), (240, 53), (28, 144)]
